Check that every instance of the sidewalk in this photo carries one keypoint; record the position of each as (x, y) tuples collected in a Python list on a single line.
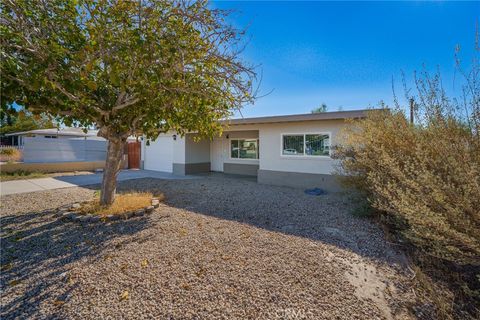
[(32, 185)]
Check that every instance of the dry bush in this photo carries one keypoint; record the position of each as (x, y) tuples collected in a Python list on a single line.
[(422, 180), (426, 176), (10, 154), (123, 203)]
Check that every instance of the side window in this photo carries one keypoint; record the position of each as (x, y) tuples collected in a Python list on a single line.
[(307, 144)]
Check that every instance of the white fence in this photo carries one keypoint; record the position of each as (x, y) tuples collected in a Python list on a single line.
[(11, 147), (63, 150)]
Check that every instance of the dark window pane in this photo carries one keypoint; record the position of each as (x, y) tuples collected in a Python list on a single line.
[(317, 145), (258, 149), (248, 149), (293, 145), (234, 149)]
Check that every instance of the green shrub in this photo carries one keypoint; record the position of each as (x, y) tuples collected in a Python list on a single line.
[(20, 174)]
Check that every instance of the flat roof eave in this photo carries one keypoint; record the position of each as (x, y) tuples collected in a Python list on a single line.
[(336, 115)]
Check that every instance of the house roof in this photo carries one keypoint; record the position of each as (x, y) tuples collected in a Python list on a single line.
[(337, 115), (74, 132), (71, 132)]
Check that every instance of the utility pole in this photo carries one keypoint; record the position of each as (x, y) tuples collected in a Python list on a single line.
[(412, 109)]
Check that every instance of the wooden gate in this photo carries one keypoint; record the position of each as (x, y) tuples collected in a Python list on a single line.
[(134, 155)]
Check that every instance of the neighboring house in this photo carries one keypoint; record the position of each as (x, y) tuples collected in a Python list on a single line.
[(292, 150), (63, 133), (61, 145)]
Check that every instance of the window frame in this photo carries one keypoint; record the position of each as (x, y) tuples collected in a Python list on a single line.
[(304, 155), (243, 159)]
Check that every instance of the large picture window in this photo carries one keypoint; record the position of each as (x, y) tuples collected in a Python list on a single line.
[(306, 144), (244, 149)]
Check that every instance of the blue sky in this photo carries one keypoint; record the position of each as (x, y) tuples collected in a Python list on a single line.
[(345, 54)]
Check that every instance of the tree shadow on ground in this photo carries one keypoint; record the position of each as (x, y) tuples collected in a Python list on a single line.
[(40, 245), (326, 218)]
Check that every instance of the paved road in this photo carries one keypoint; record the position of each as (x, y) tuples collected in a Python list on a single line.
[(32, 185)]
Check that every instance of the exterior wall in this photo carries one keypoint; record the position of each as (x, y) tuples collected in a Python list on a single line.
[(236, 166), (196, 151), (182, 169), (159, 154), (179, 155), (188, 156), (191, 156), (271, 157), (245, 134), (178, 149), (63, 150), (142, 153), (241, 168)]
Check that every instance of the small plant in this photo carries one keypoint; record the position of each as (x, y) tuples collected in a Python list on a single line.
[(21, 174)]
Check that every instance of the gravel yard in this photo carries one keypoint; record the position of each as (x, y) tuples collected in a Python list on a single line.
[(218, 248)]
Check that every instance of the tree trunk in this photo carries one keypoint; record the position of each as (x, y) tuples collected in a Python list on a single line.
[(113, 165)]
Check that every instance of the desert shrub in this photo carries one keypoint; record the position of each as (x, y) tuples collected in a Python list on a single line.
[(10, 154), (7, 151), (427, 175), (423, 181)]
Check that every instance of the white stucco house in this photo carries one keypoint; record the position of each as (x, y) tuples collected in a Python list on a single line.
[(291, 150)]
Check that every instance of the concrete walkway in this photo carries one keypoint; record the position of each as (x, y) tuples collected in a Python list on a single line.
[(32, 185)]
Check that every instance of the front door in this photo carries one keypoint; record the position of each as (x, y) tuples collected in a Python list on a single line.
[(217, 154), (134, 154)]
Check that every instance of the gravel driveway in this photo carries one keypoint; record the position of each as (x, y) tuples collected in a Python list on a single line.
[(218, 248)]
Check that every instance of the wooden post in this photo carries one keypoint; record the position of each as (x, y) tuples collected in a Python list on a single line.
[(412, 109)]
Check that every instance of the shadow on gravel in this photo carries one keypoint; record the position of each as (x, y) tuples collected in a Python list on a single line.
[(39, 245), (326, 218)]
